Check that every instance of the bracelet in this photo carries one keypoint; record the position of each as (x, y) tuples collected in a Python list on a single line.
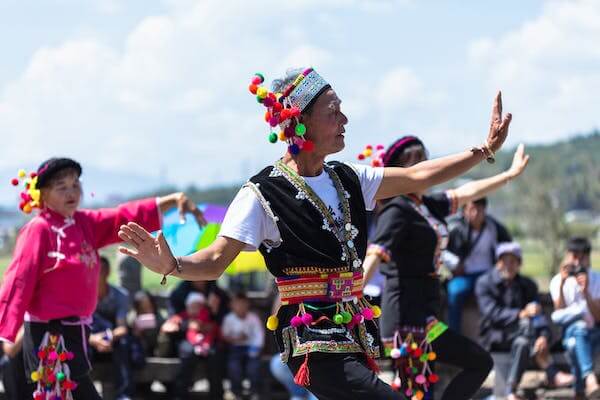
[(177, 267), (488, 154)]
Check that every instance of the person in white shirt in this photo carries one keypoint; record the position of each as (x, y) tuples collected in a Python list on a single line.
[(575, 291), (243, 330), (308, 219)]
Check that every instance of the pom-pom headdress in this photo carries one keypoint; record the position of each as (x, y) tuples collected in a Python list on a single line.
[(30, 196), (34, 181), (386, 158), (284, 109)]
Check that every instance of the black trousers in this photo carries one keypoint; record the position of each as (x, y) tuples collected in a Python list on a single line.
[(13, 377), (475, 364), (343, 377)]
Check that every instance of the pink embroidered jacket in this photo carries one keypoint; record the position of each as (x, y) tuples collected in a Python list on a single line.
[(55, 267)]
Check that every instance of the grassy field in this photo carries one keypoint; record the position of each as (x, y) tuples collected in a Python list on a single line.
[(535, 265)]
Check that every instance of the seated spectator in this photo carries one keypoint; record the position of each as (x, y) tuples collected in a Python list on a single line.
[(512, 319), (146, 321), (198, 335), (109, 338), (575, 291), (244, 332), (282, 373), (13, 370), (469, 254)]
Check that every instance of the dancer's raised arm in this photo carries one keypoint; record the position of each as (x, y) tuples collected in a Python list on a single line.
[(421, 176)]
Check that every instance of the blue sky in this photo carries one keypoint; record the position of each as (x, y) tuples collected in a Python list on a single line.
[(156, 90)]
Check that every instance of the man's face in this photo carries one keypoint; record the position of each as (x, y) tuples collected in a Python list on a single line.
[(325, 123), (579, 258), (474, 214), (509, 265)]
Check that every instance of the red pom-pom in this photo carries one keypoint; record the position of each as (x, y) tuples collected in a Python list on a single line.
[(433, 378), (267, 116), (62, 357), (253, 88), (41, 354), (369, 147), (417, 352), (309, 145), (295, 111), (32, 175), (285, 114), (256, 80), (277, 106), (14, 181), (361, 156)]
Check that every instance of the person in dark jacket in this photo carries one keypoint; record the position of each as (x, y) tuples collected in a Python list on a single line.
[(470, 253), (512, 318)]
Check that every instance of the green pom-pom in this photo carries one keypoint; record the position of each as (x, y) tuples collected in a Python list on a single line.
[(273, 137), (259, 99), (338, 319), (300, 129), (261, 76), (347, 316), (60, 376)]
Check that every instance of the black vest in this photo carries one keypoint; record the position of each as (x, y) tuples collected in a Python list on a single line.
[(305, 244)]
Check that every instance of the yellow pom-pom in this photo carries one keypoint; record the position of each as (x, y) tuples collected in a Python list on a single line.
[(431, 356), (262, 92), (27, 208), (368, 152), (272, 322), (22, 173), (376, 311), (35, 194), (282, 136), (35, 376), (413, 346)]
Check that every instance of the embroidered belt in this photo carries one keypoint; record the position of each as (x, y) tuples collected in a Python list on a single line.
[(321, 287)]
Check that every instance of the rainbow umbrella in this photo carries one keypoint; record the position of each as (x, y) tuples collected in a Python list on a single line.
[(189, 237)]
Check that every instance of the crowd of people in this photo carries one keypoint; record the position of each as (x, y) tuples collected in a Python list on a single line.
[(59, 314)]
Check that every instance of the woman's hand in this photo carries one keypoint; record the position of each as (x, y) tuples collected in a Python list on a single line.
[(520, 160), (151, 252), (498, 125), (184, 205)]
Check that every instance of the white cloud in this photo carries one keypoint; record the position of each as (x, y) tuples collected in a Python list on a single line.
[(549, 68)]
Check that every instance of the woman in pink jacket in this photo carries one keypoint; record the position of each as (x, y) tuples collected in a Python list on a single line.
[(51, 283)]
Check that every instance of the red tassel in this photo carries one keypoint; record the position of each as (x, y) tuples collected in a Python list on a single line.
[(302, 377), (372, 364)]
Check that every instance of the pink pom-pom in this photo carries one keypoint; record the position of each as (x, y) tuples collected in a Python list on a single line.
[(420, 379), (52, 356), (367, 313), (268, 102), (395, 353), (380, 147), (296, 321), (307, 319)]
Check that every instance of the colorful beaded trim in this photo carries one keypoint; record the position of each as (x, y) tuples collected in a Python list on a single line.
[(325, 288)]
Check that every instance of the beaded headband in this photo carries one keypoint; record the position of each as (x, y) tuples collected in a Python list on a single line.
[(284, 109)]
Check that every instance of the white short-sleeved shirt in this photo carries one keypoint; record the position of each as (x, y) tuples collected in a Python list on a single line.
[(573, 297), (247, 221)]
